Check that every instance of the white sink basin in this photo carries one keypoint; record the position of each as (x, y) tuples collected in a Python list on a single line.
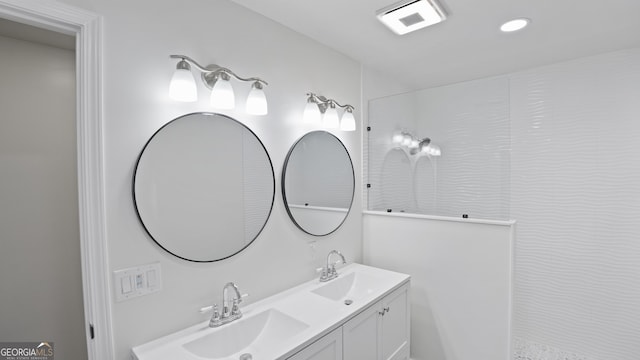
[(350, 286), (247, 335)]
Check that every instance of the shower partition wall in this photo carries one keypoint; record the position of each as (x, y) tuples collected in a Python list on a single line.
[(470, 177)]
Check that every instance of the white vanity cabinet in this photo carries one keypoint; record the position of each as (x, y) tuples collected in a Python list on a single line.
[(380, 332), (329, 347)]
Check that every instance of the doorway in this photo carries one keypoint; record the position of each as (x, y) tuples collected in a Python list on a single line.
[(40, 261)]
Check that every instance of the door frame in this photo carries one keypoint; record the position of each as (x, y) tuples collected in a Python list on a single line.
[(87, 29)]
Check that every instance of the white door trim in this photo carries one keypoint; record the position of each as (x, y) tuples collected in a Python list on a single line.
[(87, 28)]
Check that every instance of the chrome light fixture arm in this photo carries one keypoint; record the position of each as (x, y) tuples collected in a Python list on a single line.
[(323, 103), (212, 71)]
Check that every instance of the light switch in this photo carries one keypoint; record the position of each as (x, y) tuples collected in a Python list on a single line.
[(151, 278), (137, 281), (126, 284)]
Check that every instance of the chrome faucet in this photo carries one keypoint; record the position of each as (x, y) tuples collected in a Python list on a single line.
[(230, 306), (329, 272)]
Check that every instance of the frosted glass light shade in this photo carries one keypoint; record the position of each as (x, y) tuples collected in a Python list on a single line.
[(435, 150), (256, 101), (311, 113), (397, 138), (183, 86), (331, 120), (222, 96), (348, 122), (406, 140), (432, 150)]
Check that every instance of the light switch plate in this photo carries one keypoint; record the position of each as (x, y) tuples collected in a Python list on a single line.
[(137, 281)]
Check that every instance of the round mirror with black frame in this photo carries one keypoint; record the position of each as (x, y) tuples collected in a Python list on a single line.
[(204, 187), (318, 183)]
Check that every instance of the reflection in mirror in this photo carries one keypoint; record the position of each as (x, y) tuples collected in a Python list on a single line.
[(318, 183), (425, 185), (396, 182), (203, 187)]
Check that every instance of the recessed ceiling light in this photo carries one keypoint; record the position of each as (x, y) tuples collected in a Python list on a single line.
[(407, 16), (515, 25)]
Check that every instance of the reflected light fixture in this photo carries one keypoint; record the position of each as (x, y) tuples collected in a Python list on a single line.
[(397, 138), (432, 149), (407, 139), (410, 15), (320, 109), (217, 78), (414, 145)]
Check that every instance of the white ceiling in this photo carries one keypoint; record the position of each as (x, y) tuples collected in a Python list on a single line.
[(468, 45)]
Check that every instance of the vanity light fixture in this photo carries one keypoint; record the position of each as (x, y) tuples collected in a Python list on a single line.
[(320, 109), (407, 16), (222, 95), (330, 119), (183, 85), (311, 113), (257, 101), (217, 78), (348, 122)]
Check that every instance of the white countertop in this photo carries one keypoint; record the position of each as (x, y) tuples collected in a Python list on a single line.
[(322, 315)]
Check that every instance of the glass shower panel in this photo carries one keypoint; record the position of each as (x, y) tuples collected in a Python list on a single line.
[(442, 151)]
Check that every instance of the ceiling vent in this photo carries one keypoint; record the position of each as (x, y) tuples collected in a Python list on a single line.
[(407, 16)]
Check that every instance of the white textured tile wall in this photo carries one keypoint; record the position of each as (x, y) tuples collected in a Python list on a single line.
[(576, 195), (470, 122)]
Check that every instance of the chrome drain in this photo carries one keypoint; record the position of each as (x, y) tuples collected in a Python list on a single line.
[(246, 356), (348, 302)]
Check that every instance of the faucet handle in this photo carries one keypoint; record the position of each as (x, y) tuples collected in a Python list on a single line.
[(324, 273), (215, 318), (332, 270), (235, 308), (242, 297)]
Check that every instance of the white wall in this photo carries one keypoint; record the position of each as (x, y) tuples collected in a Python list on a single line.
[(460, 282), (139, 37), (40, 271)]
